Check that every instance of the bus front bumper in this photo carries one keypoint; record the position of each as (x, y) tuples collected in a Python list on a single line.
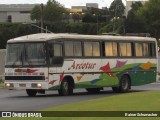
[(25, 85)]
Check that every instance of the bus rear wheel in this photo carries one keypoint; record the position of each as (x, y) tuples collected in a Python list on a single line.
[(124, 85), (31, 93), (65, 88), (93, 90)]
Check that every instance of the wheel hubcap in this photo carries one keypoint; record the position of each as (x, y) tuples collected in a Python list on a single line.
[(124, 84), (65, 86)]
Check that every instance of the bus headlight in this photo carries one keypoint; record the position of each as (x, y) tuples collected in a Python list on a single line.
[(39, 85), (8, 84)]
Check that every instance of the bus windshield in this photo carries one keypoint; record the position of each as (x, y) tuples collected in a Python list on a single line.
[(26, 54)]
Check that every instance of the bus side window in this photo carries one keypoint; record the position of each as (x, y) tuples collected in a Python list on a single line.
[(68, 48), (145, 49), (55, 52), (77, 49), (152, 50), (73, 48), (138, 49), (91, 49), (125, 49), (111, 49)]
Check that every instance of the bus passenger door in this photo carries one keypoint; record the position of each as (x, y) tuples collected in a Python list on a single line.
[(55, 62)]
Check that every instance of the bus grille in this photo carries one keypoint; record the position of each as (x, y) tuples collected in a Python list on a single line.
[(24, 78)]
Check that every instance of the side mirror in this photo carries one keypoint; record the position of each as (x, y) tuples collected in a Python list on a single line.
[(57, 61)]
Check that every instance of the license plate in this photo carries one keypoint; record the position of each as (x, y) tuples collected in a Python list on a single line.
[(22, 85)]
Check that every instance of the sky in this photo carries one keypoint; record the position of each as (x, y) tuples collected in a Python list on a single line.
[(66, 3)]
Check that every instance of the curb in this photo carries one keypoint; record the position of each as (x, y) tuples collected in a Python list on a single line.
[(1, 87), (157, 82)]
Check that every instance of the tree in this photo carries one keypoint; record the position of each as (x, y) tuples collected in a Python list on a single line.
[(116, 9), (94, 15), (134, 23), (52, 12), (36, 13), (150, 13), (116, 15), (106, 29), (76, 17), (88, 18)]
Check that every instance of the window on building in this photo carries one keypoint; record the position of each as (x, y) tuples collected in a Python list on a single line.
[(91, 49), (25, 12), (111, 49), (125, 49), (9, 18)]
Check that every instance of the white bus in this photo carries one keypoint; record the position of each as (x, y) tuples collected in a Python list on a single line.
[(63, 62)]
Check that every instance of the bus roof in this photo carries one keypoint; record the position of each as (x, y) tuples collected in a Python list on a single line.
[(42, 37)]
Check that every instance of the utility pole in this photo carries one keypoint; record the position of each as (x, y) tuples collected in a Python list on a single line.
[(97, 24), (115, 17), (124, 30), (41, 6), (96, 15)]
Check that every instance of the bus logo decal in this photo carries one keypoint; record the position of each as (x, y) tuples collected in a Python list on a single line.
[(82, 66)]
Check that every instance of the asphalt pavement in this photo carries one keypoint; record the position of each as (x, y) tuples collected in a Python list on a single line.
[(17, 100)]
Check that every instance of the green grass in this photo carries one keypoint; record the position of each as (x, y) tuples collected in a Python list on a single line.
[(1, 84), (135, 101)]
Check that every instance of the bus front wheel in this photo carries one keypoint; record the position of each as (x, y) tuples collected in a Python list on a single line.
[(65, 88), (124, 85), (31, 93)]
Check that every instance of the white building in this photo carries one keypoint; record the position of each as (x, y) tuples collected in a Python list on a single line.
[(79, 7), (15, 12), (129, 4), (92, 5), (88, 5)]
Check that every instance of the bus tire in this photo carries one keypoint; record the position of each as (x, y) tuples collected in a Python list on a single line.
[(31, 92), (65, 88), (93, 90), (124, 85)]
